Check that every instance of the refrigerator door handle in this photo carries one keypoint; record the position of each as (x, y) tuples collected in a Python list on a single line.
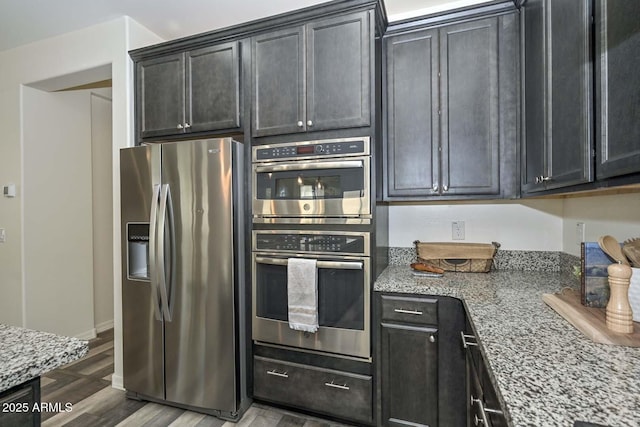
[(165, 218), (153, 256)]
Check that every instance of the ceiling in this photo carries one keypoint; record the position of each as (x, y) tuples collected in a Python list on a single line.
[(27, 21)]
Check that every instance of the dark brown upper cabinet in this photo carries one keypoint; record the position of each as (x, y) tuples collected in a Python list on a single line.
[(617, 36), (557, 92), (451, 110), (193, 91), (313, 77)]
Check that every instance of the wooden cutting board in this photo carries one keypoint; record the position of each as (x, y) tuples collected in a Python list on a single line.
[(590, 321)]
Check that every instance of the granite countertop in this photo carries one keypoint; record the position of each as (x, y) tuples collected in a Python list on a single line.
[(26, 354), (547, 372)]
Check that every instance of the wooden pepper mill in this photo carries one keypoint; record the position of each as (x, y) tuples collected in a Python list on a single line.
[(619, 314)]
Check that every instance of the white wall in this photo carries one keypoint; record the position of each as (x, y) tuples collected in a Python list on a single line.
[(102, 208), (617, 215), (99, 45), (57, 220), (524, 225), (537, 225)]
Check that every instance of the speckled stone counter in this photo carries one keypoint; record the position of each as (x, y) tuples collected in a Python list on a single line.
[(547, 372), (26, 354)]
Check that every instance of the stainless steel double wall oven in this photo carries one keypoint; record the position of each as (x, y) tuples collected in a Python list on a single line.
[(304, 195)]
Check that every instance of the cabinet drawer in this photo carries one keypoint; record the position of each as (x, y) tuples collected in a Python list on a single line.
[(411, 310), (336, 393)]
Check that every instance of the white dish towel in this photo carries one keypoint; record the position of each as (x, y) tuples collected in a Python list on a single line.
[(302, 293)]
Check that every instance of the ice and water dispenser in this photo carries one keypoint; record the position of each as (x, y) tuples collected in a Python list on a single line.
[(138, 251)]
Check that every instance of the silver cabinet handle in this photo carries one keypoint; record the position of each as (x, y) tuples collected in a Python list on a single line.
[(300, 123), (403, 311), (432, 338), (309, 123), (465, 343), (333, 385), (445, 188), (476, 420), (278, 374), (435, 187), (179, 126), (187, 125), (541, 179)]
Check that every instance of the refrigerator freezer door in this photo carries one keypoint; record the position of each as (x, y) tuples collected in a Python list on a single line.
[(199, 338), (142, 330)]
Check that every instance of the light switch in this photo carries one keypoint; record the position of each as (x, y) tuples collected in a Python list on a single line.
[(2, 235), (9, 190)]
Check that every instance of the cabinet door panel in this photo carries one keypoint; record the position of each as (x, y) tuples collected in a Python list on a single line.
[(213, 87), (617, 87), (278, 82), (338, 72), (470, 108), (569, 134), (409, 375), (534, 94), (160, 95), (412, 114)]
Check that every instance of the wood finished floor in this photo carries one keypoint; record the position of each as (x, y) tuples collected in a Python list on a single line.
[(86, 384)]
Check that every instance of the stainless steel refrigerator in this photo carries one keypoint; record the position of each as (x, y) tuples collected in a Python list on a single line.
[(183, 290)]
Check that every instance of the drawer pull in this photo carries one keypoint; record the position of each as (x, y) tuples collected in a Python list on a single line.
[(278, 374), (341, 387), (415, 312), (465, 343)]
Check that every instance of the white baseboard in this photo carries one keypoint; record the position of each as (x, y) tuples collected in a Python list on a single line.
[(101, 327), (117, 382), (88, 335)]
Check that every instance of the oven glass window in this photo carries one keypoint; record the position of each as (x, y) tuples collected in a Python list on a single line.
[(340, 296), (311, 184)]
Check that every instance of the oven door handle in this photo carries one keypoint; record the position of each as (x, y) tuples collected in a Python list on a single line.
[(335, 265), (345, 164)]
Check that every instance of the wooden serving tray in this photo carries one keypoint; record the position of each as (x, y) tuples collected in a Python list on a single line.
[(590, 321)]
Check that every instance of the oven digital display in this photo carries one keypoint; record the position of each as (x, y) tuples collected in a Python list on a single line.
[(305, 149)]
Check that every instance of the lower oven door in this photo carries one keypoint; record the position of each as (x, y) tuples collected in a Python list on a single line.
[(343, 306)]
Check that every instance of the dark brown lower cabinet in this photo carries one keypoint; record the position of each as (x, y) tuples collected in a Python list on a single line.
[(409, 375), (483, 405), (20, 405), (332, 392), (421, 361)]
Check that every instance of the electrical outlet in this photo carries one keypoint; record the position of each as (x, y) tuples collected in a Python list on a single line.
[(2, 235), (457, 230), (580, 232)]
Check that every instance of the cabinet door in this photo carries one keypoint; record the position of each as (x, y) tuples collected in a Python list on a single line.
[(412, 163), (569, 104), (409, 375), (338, 72), (470, 108), (17, 405), (160, 96), (213, 88), (534, 90), (278, 82), (617, 87)]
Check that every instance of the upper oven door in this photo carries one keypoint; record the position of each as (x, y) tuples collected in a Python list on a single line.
[(312, 190)]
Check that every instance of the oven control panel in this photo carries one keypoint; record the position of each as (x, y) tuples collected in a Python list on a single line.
[(310, 243), (312, 149)]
